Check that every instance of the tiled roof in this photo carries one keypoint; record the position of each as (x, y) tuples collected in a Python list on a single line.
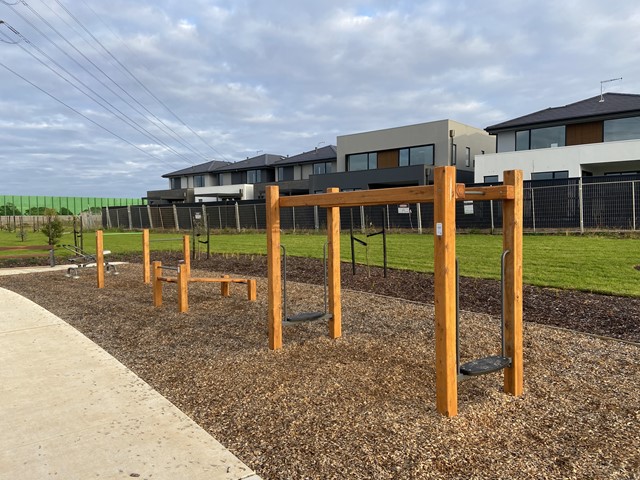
[(613, 104), (264, 160), (197, 169), (322, 154)]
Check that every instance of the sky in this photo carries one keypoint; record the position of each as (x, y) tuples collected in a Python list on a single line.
[(101, 98)]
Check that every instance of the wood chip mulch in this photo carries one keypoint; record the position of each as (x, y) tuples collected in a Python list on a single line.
[(363, 406)]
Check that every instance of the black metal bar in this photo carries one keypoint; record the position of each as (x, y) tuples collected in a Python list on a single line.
[(353, 253)]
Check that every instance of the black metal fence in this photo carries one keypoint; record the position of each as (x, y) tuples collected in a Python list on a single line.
[(567, 205)]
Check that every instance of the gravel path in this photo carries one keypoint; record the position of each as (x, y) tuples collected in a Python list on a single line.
[(362, 406)]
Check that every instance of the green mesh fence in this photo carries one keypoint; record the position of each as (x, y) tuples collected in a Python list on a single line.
[(36, 205)]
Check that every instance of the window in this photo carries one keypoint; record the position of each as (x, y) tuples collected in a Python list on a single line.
[(175, 183), (547, 137), (254, 176), (454, 154), (198, 181), (362, 161), (321, 168), (285, 173), (491, 179), (622, 129), (422, 155), (467, 157), (522, 140), (549, 175), (403, 157)]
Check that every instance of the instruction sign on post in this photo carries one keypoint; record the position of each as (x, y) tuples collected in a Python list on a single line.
[(468, 207), (404, 208)]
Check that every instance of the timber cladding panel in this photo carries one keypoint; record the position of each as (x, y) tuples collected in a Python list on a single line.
[(388, 159), (583, 133)]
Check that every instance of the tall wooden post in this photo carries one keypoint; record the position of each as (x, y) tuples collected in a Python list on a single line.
[(146, 257), (100, 258), (274, 274), (444, 212), (333, 269), (512, 241), (186, 253), (183, 288)]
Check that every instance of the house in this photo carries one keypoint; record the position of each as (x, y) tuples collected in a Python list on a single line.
[(592, 137), (293, 173), (404, 156), (182, 183)]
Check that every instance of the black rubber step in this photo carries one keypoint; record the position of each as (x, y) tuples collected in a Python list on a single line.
[(482, 366), (308, 317)]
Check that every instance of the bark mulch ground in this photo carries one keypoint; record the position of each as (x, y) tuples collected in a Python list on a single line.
[(363, 406)]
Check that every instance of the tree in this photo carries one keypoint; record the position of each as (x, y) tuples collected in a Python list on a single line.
[(53, 229), (9, 209)]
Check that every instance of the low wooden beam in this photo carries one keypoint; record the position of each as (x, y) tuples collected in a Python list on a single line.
[(444, 239), (499, 192), (225, 291), (512, 218), (381, 196)]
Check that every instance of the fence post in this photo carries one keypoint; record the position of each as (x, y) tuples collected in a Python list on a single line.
[(419, 215), (362, 221), (130, 217), (237, 217), (388, 219), (316, 219), (108, 216), (293, 218), (175, 218), (633, 203), (533, 211), (149, 215), (581, 210), (255, 215), (492, 220)]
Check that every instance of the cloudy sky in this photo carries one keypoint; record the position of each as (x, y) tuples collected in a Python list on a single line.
[(100, 98)]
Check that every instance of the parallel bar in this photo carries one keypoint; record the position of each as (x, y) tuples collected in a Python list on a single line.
[(512, 215), (100, 258), (444, 212), (498, 192), (333, 239), (274, 275), (218, 280), (382, 196)]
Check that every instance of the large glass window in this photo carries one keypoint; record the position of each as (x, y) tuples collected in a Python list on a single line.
[(549, 175), (622, 129), (285, 174), (321, 168), (522, 140), (175, 183), (198, 181), (254, 176), (422, 155), (362, 161), (547, 137), (403, 157), (467, 157)]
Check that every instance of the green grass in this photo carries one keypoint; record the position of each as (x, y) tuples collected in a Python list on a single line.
[(602, 264)]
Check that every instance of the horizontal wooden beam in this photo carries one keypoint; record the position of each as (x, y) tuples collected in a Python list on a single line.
[(219, 280), (381, 196), (499, 192)]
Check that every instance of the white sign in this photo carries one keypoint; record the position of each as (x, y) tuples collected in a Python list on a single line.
[(439, 229), (468, 207), (404, 208)]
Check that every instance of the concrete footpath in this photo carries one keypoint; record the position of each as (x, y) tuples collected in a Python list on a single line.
[(70, 410)]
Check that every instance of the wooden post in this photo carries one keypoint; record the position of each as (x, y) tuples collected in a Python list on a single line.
[(512, 240), (100, 258), (251, 290), (333, 268), (444, 212), (225, 287), (186, 253), (157, 284), (146, 257), (183, 288), (274, 274)]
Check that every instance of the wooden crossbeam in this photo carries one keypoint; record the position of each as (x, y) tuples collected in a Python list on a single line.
[(498, 192)]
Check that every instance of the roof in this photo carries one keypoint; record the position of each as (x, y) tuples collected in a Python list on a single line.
[(263, 160), (197, 169), (614, 104), (330, 152)]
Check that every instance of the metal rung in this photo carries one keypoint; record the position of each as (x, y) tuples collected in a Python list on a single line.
[(485, 365)]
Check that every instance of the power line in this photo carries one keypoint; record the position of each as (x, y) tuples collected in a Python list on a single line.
[(83, 115)]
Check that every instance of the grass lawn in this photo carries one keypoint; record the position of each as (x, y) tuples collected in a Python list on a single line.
[(601, 264)]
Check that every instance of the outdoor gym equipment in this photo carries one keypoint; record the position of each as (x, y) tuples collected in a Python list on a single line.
[(146, 253), (183, 278), (382, 232), (200, 229), (490, 364), (304, 316), (82, 259), (444, 194)]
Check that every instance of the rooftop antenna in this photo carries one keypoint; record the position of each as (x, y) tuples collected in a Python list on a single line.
[(602, 82)]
